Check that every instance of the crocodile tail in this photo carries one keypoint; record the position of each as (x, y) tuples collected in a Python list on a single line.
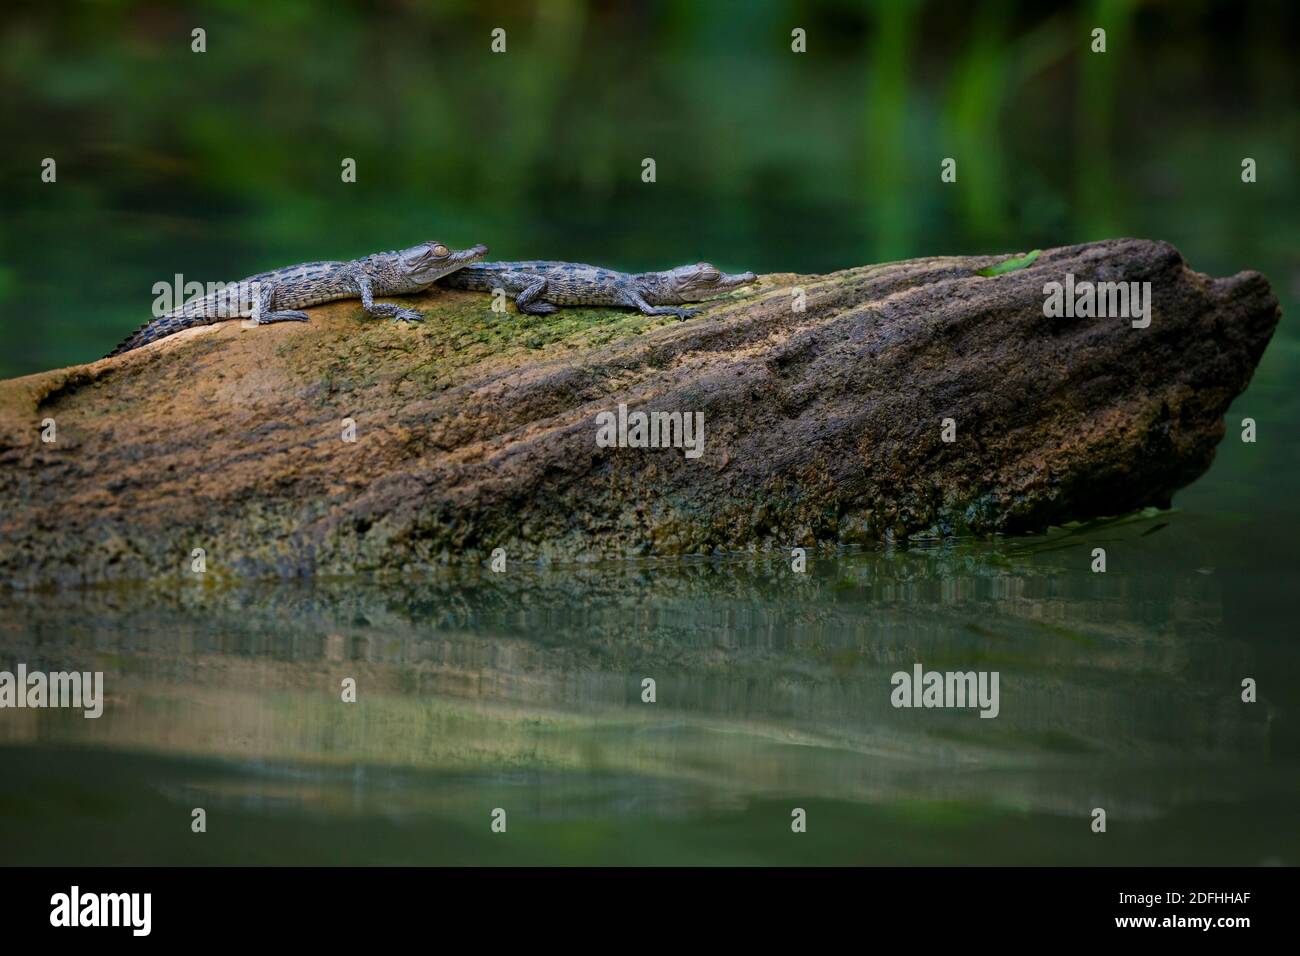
[(132, 341), (156, 329)]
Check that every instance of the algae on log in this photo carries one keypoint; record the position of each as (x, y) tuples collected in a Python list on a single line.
[(477, 430)]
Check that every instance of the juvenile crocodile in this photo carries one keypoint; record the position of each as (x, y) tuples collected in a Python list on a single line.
[(277, 296), (538, 287)]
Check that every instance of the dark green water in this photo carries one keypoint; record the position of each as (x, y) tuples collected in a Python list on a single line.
[(522, 691)]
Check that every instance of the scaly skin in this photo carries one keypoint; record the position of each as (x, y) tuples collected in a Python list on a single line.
[(538, 287), (277, 296)]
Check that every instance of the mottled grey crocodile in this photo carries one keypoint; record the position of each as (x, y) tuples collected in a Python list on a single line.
[(277, 296), (538, 287)]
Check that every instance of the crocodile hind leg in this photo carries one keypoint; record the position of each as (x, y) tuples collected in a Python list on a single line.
[(530, 301), (263, 301)]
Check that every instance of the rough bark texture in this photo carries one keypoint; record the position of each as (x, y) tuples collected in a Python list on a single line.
[(477, 430)]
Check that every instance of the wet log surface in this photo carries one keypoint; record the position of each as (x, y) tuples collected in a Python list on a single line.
[(478, 430)]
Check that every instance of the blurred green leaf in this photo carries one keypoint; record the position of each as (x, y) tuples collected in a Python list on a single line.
[(1011, 265)]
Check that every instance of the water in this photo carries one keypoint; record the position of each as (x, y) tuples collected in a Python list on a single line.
[(523, 692)]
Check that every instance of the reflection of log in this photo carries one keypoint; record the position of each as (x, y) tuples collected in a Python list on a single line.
[(478, 431), (768, 681)]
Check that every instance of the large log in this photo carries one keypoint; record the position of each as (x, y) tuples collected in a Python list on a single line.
[(478, 430)]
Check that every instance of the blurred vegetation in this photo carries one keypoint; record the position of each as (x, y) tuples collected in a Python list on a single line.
[(220, 164)]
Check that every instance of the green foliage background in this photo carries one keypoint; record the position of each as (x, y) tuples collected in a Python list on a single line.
[(220, 164)]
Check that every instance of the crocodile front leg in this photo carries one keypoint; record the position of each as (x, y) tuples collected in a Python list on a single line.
[(635, 300), (263, 302), (383, 310)]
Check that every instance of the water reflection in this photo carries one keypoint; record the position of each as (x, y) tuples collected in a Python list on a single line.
[(524, 690)]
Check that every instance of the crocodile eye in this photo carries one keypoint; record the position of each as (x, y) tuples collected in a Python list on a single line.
[(440, 251)]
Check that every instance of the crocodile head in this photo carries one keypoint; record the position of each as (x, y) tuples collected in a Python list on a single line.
[(424, 264), (693, 283)]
